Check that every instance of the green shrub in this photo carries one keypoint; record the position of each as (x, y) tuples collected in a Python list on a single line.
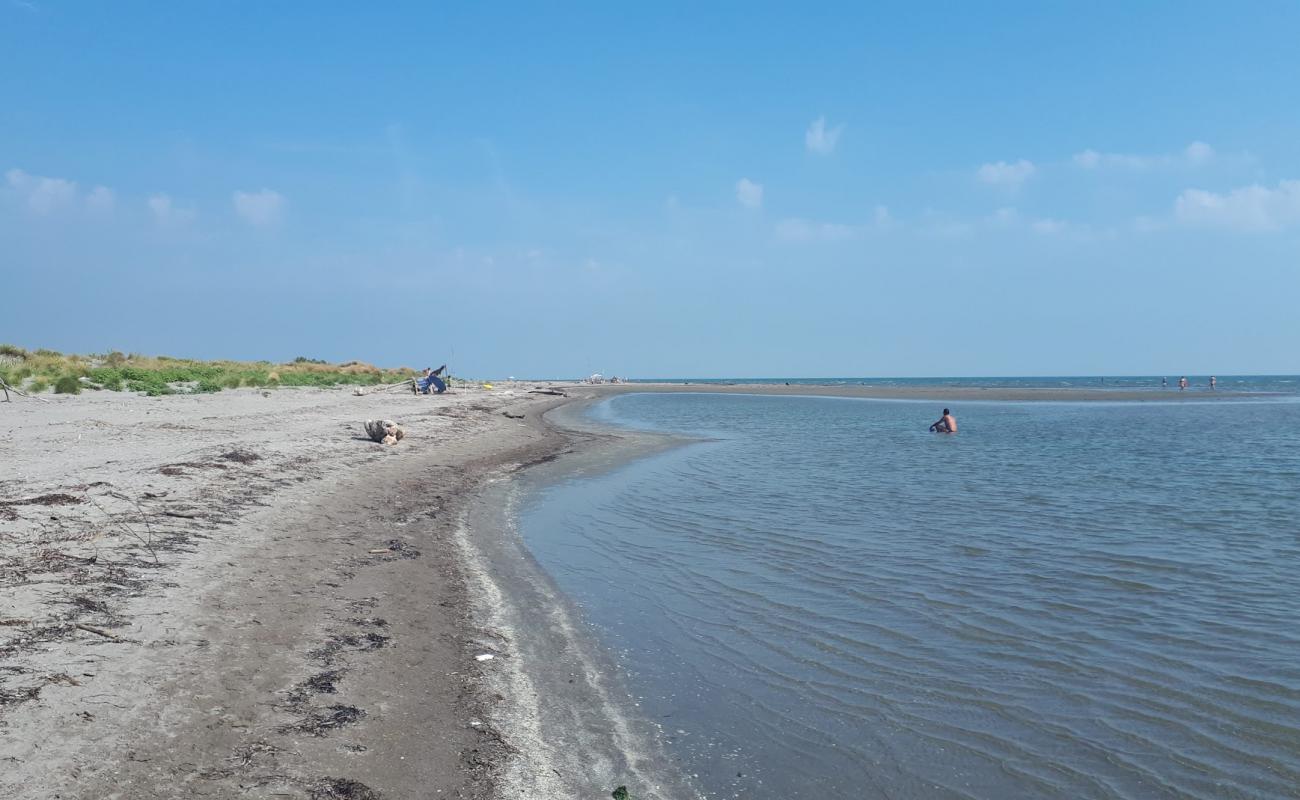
[(68, 384), (38, 385), (208, 386), (232, 382), (13, 350)]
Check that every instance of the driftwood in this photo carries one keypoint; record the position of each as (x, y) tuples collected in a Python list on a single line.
[(409, 383), (7, 389), (384, 431), (547, 391), (98, 631)]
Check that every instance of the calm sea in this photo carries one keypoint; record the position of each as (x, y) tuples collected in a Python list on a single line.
[(817, 598), (1286, 384)]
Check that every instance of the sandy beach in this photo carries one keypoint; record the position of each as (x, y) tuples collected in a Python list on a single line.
[(239, 594)]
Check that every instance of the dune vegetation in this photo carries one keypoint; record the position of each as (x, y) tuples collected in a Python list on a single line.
[(38, 371)]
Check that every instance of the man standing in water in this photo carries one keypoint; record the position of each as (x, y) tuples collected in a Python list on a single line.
[(946, 424), (1182, 383), (1213, 382)]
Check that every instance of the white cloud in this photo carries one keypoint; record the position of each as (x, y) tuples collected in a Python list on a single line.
[(1194, 154), (41, 194), (1248, 208), (1048, 226), (166, 212), (259, 208), (821, 140), (749, 194), (1003, 174), (796, 229), (101, 199), (1198, 152)]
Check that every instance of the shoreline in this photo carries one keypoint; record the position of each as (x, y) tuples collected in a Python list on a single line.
[(573, 727), (239, 590)]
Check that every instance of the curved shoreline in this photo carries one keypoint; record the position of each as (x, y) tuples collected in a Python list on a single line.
[(210, 592), (570, 726)]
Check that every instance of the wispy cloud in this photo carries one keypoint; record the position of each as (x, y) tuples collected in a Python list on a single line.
[(166, 212), (1192, 155), (261, 208), (1248, 208), (822, 140), (41, 194), (749, 193), (101, 199), (794, 229), (797, 229), (1002, 173)]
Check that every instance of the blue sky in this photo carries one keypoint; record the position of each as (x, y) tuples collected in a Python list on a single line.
[(670, 190)]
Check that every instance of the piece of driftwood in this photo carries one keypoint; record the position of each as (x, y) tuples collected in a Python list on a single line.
[(7, 389), (547, 391), (384, 431), (98, 631)]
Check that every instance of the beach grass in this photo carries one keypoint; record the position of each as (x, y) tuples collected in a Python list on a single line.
[(37, 370)]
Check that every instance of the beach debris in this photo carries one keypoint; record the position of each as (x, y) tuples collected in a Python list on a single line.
[(508, 415), (341, 789), (7, 389), (320, 722), (547, 391), (484, 657), (621, 794), (384, 431), (97, 631)]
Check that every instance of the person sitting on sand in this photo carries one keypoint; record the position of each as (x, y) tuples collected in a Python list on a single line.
[(430, 378), (946, 424)]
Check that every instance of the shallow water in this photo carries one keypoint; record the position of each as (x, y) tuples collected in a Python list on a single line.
[(822, 599)]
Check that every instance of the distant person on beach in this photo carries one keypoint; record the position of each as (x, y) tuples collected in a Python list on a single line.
[(1213, 382), (1164, 383), (946, 424), (1182, 383)]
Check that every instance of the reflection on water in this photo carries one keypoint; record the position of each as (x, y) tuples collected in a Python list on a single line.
[(1061, 601)]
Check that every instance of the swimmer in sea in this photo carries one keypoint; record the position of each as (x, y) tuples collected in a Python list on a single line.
[(946, 424)]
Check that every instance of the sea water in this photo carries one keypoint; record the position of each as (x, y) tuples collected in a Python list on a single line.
[(818, 598)]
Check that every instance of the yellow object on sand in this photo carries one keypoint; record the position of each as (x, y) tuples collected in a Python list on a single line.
[(487, 386)]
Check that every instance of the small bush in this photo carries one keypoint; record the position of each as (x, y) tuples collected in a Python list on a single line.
[(68, 384), (38, 385), (115, 359), (232, 382), (208, 386), (13, 350)]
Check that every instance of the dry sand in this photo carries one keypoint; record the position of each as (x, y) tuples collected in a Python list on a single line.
[(240, 595)]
